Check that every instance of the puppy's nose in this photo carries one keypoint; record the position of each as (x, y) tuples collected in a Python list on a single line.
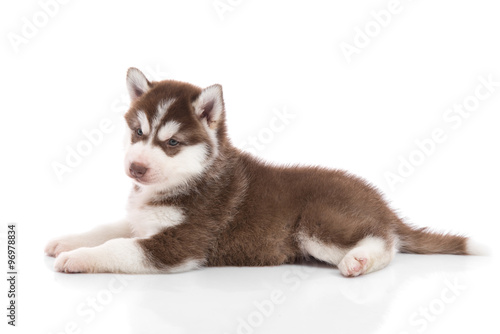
[(137, 170)]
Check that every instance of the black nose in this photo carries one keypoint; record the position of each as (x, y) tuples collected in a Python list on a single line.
[(137, 170)]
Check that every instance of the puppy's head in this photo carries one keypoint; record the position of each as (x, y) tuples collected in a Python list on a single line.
[(175, 130)]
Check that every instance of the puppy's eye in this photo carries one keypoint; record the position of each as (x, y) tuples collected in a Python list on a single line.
[(173, 142), (139, 132)]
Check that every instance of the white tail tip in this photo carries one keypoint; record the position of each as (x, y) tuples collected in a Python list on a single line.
[(475, 248)]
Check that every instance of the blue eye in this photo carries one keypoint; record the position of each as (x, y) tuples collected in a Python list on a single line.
[(173, 142), (139, 132)]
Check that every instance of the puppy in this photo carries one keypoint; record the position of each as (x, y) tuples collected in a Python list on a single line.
[(198, 201)]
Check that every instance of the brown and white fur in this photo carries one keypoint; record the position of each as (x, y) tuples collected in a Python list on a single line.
[(199, 201)]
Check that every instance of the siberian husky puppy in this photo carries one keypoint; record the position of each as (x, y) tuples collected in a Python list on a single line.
[(198, 201)]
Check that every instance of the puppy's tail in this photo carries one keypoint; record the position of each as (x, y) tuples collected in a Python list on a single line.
[(424, 241)]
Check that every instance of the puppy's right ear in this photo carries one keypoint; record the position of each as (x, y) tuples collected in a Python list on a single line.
[(137, 83)]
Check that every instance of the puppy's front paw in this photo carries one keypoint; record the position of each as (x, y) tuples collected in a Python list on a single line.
[(75, 261), (57, 246)]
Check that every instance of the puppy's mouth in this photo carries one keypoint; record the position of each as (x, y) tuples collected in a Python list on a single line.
[(139, 180)]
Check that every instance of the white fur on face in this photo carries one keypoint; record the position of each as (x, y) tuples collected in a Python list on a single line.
[(163, 171), (143, 120), (166, 172), (168, 130), (161, 111)]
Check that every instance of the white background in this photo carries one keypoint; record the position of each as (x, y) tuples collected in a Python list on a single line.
[(361, 115)]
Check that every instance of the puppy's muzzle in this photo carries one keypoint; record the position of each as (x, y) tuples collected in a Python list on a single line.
[(137, 170)]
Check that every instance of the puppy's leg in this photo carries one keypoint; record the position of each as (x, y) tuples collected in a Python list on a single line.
[(368, 255), (355, 242), (95, 237), (117, 255), (175, 249)]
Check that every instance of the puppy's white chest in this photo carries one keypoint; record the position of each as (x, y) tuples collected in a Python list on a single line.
[(147, 220)]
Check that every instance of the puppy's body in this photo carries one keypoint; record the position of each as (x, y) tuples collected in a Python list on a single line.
[(199, 201)]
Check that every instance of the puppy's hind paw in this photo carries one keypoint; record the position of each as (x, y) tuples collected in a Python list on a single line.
[(352, 266)]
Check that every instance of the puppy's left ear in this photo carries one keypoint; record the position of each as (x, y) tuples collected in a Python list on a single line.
[(209, 106)]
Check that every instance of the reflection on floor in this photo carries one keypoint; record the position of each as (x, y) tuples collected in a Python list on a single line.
[(414, 294)]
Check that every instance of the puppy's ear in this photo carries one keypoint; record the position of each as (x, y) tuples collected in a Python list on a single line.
[(209, 106), (137, 83)]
